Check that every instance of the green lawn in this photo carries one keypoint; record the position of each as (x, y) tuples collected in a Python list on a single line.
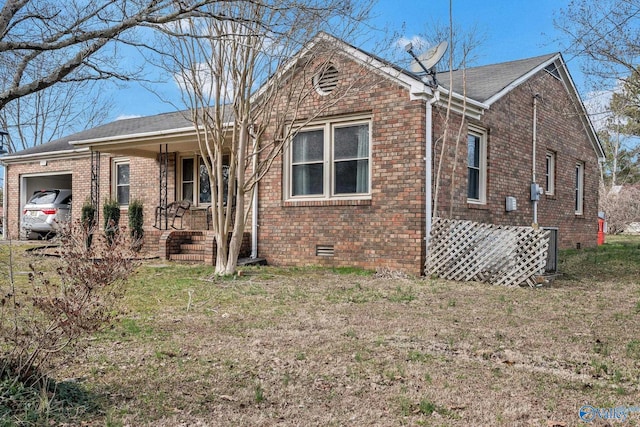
[(327, 347)]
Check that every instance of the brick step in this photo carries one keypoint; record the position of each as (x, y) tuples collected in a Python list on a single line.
[(187, 257), (191, 248), (198, 237)]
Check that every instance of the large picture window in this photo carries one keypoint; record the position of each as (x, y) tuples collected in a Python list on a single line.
[(476, 166), (121, 181), (331, 160)]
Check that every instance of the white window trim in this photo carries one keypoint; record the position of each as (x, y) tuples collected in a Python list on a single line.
[(114, 181), (328, 163), (579, 189), (550, 173), (482, 133)]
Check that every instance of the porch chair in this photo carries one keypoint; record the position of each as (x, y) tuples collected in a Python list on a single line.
[(171, 212), (210, 216)]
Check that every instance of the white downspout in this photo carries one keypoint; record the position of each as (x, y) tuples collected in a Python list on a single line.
[(534, 197), (4, 203), (428, 213), (254, 207)]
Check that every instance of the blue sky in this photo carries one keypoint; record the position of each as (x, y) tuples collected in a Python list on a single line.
[(514, 29)]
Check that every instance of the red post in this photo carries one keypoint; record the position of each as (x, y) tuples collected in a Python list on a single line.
[(600, 231)]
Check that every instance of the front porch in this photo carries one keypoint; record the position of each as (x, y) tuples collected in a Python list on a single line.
[(160, 165)]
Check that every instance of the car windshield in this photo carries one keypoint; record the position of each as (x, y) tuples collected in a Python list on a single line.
[(44, 197)]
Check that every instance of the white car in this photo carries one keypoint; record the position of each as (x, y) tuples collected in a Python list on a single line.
[(44, 211)]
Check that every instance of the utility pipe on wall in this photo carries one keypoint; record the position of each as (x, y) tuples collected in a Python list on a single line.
[(428, 173), (534, 186)]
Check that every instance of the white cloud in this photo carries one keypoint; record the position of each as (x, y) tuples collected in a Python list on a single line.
[(127, 116), (204, 79), (419, 44)]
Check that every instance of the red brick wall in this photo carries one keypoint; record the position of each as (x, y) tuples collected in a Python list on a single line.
[(388, 230), (509, 123), (384, 231)]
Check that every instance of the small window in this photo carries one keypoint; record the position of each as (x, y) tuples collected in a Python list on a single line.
[(476, 166), (579, 188), (550, 173), (326, 80), (121, 181)]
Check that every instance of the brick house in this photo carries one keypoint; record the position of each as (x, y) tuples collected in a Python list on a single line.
[(351, 188)]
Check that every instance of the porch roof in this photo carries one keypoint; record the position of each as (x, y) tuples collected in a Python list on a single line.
[(139, 136)]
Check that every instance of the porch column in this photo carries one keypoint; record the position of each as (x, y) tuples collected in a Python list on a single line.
[(95, 183), (163, 159)]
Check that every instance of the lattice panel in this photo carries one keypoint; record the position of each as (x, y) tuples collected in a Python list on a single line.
[(497, 254)]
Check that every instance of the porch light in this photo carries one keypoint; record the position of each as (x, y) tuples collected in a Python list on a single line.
[(4, 138)]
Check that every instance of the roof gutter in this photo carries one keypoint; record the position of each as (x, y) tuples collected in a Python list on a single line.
[(51, 155), (122, 139)]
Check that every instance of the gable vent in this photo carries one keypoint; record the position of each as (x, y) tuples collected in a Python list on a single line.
[(324, 250), (326, 80), (553, 70)]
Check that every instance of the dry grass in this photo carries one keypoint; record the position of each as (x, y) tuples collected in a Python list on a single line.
[(315, 347)]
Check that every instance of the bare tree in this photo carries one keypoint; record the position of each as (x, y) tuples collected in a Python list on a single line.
[(622, 207), (462, 52), (606, 34), (54, 112), (464, 44), (45, 42), (242, 99)]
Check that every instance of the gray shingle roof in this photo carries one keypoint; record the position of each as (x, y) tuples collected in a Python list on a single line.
[(157, 123), (486, 81)]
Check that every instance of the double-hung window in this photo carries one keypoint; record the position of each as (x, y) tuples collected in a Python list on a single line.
[(550, 173), (121, 181), (579, 188), (330, 161), (194, 183), (476, 166)]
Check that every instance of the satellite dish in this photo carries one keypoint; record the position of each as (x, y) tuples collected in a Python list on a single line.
[(427, 60)]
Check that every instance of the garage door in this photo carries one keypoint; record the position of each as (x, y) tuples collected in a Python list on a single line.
[(33, 183), (29, 184)]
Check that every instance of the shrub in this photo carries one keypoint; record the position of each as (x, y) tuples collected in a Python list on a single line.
[(45, 321), (88, 221), (136, 219), (111, 212)]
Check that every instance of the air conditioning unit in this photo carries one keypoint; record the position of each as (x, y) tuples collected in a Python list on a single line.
[(552, 254)]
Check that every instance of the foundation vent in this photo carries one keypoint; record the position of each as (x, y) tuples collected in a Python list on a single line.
[(324, 250)]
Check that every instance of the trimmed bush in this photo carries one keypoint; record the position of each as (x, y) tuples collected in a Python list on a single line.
[(136, 220), (88, 221), (111, 211)]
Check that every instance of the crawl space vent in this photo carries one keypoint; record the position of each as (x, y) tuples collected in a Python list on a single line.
[(326, 80), (324, 250)]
